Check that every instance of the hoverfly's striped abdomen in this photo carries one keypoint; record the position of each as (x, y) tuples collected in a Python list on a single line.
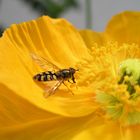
[(45, 76)]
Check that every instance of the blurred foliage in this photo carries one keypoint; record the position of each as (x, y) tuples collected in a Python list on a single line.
[(52, 8), (1, 29)]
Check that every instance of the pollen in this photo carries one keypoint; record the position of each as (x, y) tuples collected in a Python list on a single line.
[(126, 78), (115, 76)]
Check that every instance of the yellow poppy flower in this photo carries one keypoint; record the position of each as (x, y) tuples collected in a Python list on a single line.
[(106, 97)]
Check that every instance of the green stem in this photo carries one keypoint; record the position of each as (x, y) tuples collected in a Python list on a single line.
[(88, 4)]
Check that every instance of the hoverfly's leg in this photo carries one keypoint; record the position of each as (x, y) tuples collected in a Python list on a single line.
[(68, 88), (73, 82), (73, 79), (70, 82), (51, 91)]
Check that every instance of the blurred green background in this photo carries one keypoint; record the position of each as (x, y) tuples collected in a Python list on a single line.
[(52, 8), (91, 14)]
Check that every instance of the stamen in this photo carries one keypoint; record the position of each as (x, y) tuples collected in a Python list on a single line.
[(114, 75), (118, 93)]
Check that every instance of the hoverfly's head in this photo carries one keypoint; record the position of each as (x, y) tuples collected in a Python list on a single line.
[(72, 70)]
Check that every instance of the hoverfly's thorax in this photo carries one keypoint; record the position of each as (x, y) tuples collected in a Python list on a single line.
[(61, 75)]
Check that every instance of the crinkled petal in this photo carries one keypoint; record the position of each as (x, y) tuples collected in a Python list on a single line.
[(15, 110), (109, 131), (91, 38), (124, 28), (132, 132), (21, 119), (54, 39)]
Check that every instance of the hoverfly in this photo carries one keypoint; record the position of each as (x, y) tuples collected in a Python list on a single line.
[(61, 75)]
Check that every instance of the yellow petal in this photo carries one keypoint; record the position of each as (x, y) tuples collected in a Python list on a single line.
[(56, 40), (108, 131), (132, 132), (124, 28), (104, 131), (15, 110), (91, 38), (22, 120)]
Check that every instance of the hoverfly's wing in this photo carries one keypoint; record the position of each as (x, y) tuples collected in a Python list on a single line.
[(50, 91), (43, 63)]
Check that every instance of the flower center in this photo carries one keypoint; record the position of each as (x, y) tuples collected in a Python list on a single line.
[(121, 99), (112, 77)]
